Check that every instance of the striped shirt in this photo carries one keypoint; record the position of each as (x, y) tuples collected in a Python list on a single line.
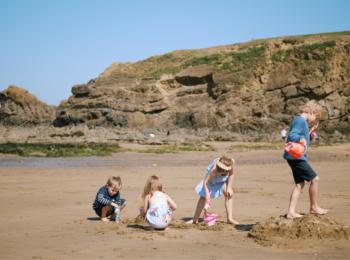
[(103, 198)]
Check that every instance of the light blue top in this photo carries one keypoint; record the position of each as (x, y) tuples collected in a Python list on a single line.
[(298, 131), (216, 185)]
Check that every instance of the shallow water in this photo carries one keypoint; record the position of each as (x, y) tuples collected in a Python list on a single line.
[(119, 160)]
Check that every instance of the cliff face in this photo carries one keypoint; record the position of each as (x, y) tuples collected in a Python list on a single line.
[(251, 90), (20, 108), (247, 91)]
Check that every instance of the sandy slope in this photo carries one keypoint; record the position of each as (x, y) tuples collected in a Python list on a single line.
[(46, 212)]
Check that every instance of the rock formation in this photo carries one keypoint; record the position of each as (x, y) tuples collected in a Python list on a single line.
[(247, 91), (20, 108)]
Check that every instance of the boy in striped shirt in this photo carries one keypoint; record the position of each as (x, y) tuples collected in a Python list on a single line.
[(108, 198)]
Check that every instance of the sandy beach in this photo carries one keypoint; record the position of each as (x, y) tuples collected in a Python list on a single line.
[(47, 213)]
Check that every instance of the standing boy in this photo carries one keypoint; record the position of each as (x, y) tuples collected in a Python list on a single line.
[(108, 198), (299, 132)]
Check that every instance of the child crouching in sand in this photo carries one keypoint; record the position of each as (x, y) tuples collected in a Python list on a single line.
[(299, 132), (155, 205), (108, 198), (218, 180)]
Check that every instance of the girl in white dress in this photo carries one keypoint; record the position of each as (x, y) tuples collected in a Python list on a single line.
[(218, 180)]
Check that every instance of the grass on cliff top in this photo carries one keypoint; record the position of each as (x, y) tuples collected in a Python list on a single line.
[(247, 58), (59, 150), (322, 34), (248, 55), (232, 61), (281, 56), (175, 149)]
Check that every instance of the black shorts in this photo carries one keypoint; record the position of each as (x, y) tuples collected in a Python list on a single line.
[(98, 210), (301, 171)]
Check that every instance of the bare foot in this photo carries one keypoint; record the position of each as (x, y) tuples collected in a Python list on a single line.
[(149, 228), (319, 211), (104, 219), (231, 221), (191, 222), (166, 228), (294, 215)]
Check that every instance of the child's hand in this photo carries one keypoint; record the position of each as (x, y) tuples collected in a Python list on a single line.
[(303, 141), (229, 193)]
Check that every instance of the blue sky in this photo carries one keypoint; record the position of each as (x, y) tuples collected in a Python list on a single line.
[(47, 46)]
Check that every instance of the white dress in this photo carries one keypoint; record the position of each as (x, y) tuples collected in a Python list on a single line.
[(216, 185)]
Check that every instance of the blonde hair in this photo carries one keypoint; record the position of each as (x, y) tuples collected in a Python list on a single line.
[(313, 106), (225, 160), (153, 184), (115, 182)]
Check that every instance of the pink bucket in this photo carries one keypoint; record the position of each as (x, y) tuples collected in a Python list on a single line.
[(210, 219)]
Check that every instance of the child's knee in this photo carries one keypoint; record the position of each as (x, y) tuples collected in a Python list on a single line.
[(300, 185), (315, 180), (123, 203)]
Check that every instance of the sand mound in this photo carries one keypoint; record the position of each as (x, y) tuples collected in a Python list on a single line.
[(309, 227), (219, 226), (178, 224)]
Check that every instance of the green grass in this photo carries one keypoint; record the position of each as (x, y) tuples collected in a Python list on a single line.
[(233, 61), (59, 150), (288, 52), (237, 78), (165, 57), (300, 37), (316, 145), (246, 148), (277, 57), (248, 56), (281, 56), (320, 46), (176, 149), (342, 64)]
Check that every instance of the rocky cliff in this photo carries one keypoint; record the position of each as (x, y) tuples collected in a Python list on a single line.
[(20, 108), (247, 91)]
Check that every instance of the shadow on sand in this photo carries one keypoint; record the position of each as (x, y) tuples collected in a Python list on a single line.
[(244, 227), (187, 219), (94, 219)]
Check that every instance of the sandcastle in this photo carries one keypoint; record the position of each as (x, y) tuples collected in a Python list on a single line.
[(310, 227)]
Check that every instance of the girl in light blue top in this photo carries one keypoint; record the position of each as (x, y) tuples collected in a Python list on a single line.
[(157, 207), (217, 181)]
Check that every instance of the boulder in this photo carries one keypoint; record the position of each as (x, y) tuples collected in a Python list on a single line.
[(281, 78), (20, 108), (290, 91)]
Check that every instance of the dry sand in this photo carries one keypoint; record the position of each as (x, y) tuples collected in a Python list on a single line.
[(46, 212)]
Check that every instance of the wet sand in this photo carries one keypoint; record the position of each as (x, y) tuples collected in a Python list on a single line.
[(47, 209)]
